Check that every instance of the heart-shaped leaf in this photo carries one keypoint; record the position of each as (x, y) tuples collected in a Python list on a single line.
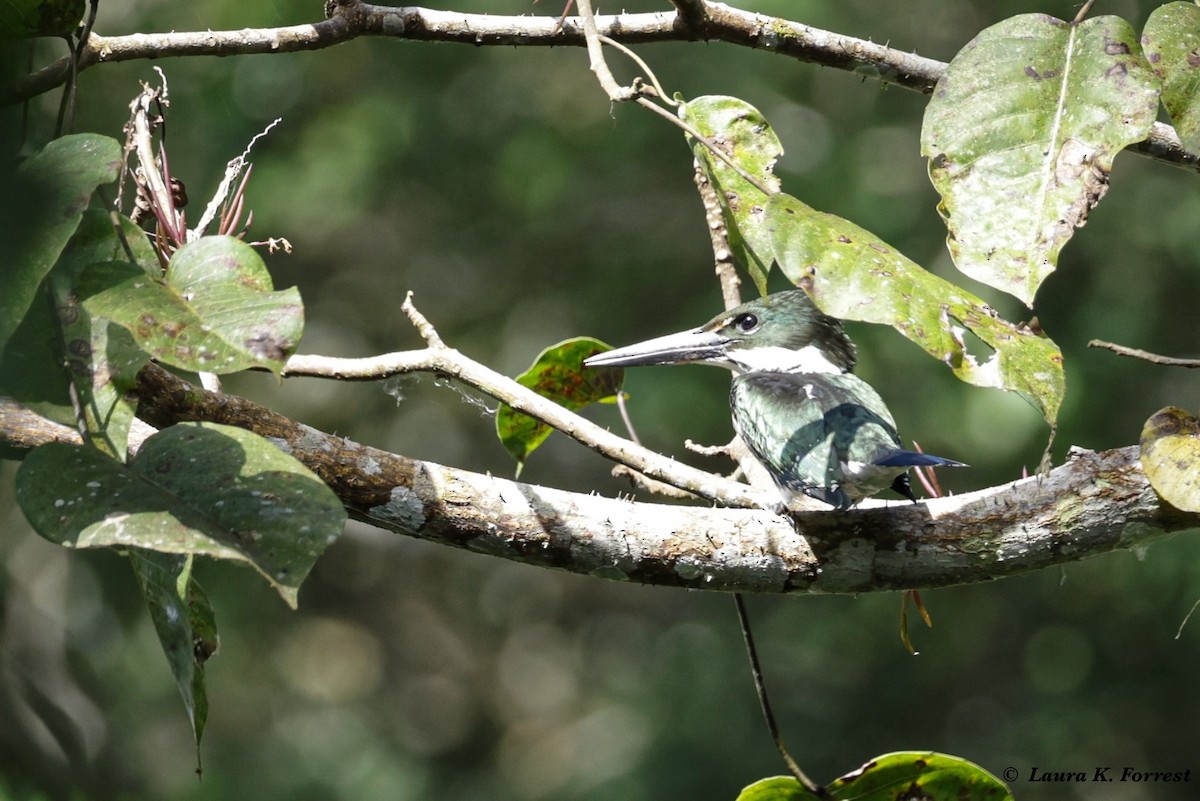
[(1170, 451), (558, 374), (194, 488), (1021, 133), (215, 311)]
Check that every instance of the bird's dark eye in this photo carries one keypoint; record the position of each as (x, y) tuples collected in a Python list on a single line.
[(746, 322)]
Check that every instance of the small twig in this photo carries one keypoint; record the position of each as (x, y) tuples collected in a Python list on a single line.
[(447, 362), (1083, 12), (623, 408), (708, 450), (658, 90), (765, 703), (599, 66), (659, 488), (1186, 618), (1134, 353), (423, 326), (927, 476)]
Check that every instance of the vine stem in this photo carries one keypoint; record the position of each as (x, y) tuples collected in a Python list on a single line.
[(765, 703)]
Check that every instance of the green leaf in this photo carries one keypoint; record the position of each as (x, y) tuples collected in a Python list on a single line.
[(925, 775), (742, 133), (1170, 452), (1171, 40), (58, 183), (24, 18), (215, 312), (852, 274), (57, 330), (558, 374), (1021, 133), (102, 359), (194, 488), (185, 623), (776, 788)]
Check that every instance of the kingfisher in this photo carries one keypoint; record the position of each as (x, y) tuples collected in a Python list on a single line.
[(818, 429)]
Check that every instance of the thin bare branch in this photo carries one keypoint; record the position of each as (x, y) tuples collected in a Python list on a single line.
[(450, 363), (1134, 353), (723, 23)]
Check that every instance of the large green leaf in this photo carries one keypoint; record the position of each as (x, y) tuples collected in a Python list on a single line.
[(558, 374), (936, 777), (903, 775), (1171, 40), (185, 623), (101, 357), (194, 488), (854, 275), (24, 18), (776, 788), (215, 311), (742, 133), (1021, 133), (58, 330), (57, 183)]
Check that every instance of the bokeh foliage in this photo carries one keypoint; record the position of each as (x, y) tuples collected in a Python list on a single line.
[(501, 187)]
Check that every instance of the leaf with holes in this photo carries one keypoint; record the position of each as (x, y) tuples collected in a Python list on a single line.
[(215, 312), (1021, 133), (1171, 40), (194, 488), (558, 374), (741, 132), (1170, 452), (852, 274)]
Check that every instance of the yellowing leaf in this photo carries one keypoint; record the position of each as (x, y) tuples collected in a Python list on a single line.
[(1021, 133), (1171, 457), (854, 275)]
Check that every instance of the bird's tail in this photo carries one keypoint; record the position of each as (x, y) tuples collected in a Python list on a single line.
[(914, 459)]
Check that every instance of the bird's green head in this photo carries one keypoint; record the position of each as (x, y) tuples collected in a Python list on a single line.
[(783, 332)]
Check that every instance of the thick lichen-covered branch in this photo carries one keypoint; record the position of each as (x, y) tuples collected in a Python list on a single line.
[(1093, 504)]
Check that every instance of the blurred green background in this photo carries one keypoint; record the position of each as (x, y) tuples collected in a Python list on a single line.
[(521, 208)]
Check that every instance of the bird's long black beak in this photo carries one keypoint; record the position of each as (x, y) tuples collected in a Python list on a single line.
[(697, 345)]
